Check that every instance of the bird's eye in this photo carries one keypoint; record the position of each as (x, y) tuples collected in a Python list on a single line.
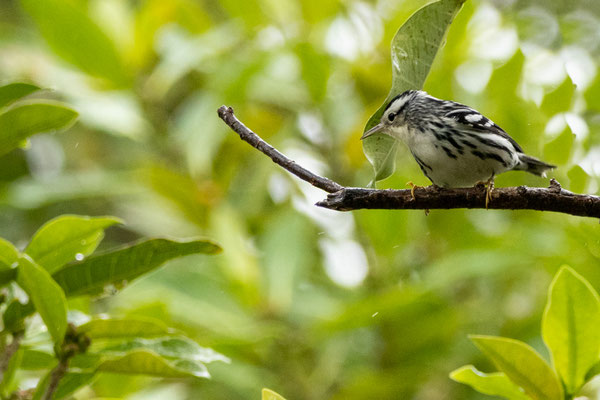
[(391, 116)]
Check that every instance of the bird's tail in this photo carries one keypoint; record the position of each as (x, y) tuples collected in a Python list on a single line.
[(533, 165)]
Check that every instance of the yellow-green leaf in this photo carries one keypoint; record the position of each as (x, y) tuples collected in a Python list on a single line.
[(494, 384), (64, 238), (523, 365), (570, 327), (45, 294), (15, 91)]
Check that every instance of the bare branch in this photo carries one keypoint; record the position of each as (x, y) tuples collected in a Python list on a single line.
[(226, 114), (341, 198)]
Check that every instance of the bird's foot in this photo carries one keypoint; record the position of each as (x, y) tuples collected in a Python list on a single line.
[(412, 189), (489, 188)]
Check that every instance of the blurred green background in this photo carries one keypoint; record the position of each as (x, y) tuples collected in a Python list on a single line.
[(312, 303)]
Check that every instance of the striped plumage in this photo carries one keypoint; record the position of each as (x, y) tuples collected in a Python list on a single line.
[(454, 145)]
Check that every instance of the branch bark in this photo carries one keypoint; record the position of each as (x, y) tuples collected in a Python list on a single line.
[(341, 198)]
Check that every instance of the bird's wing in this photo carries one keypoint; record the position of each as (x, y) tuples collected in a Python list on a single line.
[(472, 120)]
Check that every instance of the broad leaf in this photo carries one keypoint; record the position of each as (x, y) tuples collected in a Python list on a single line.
[(27, 118), (15, 91), (124, 328), (413, 50), (116, 267), (149, 363), (77, 39), (45, 294), (570, 327), (178, 348), (494, 384), (8, 259), (268, 394), (523, 365), (66, 237)]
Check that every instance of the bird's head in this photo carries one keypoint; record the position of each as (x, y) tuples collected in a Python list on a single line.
[(394, 115)]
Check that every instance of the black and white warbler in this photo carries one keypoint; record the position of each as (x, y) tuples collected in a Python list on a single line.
[(454, 145)]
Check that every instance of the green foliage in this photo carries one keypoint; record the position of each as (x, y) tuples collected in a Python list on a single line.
[(90, 49), (28, 118), (569, 329), (64, 238), (319, 305), (104, 328), (119, 344), (45, 295), (494, 384), (116, 267), (413, 50), (523, 365), (15, 91)]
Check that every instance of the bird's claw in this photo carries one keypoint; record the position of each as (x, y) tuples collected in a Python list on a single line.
[(412, 189), (489, 188)]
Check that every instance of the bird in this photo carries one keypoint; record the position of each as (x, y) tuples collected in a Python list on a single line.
[(453, 144)]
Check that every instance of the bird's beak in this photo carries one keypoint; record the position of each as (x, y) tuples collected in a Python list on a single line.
[(375, 129)]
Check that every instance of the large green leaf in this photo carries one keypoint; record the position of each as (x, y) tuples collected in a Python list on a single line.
[(570, 327), (413, 50), (124, 328), (15, 91), (8, 258), (66, 237), (116, 267), (523, 365), (494, 384), (149, 363), (28, 118), (45, 294), (77, 39)]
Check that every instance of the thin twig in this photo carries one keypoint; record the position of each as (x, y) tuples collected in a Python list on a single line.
[(341, 198), (9, 352), (74, 343), (56, 376), (226, 114)]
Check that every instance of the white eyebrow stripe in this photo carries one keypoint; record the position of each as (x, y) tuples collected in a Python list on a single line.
[(474, 117)]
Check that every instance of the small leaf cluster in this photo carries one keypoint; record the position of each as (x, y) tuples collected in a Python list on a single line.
[(570, 331), (59, 263)]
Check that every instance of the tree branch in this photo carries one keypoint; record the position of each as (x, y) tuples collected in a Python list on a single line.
[(341, 198)]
